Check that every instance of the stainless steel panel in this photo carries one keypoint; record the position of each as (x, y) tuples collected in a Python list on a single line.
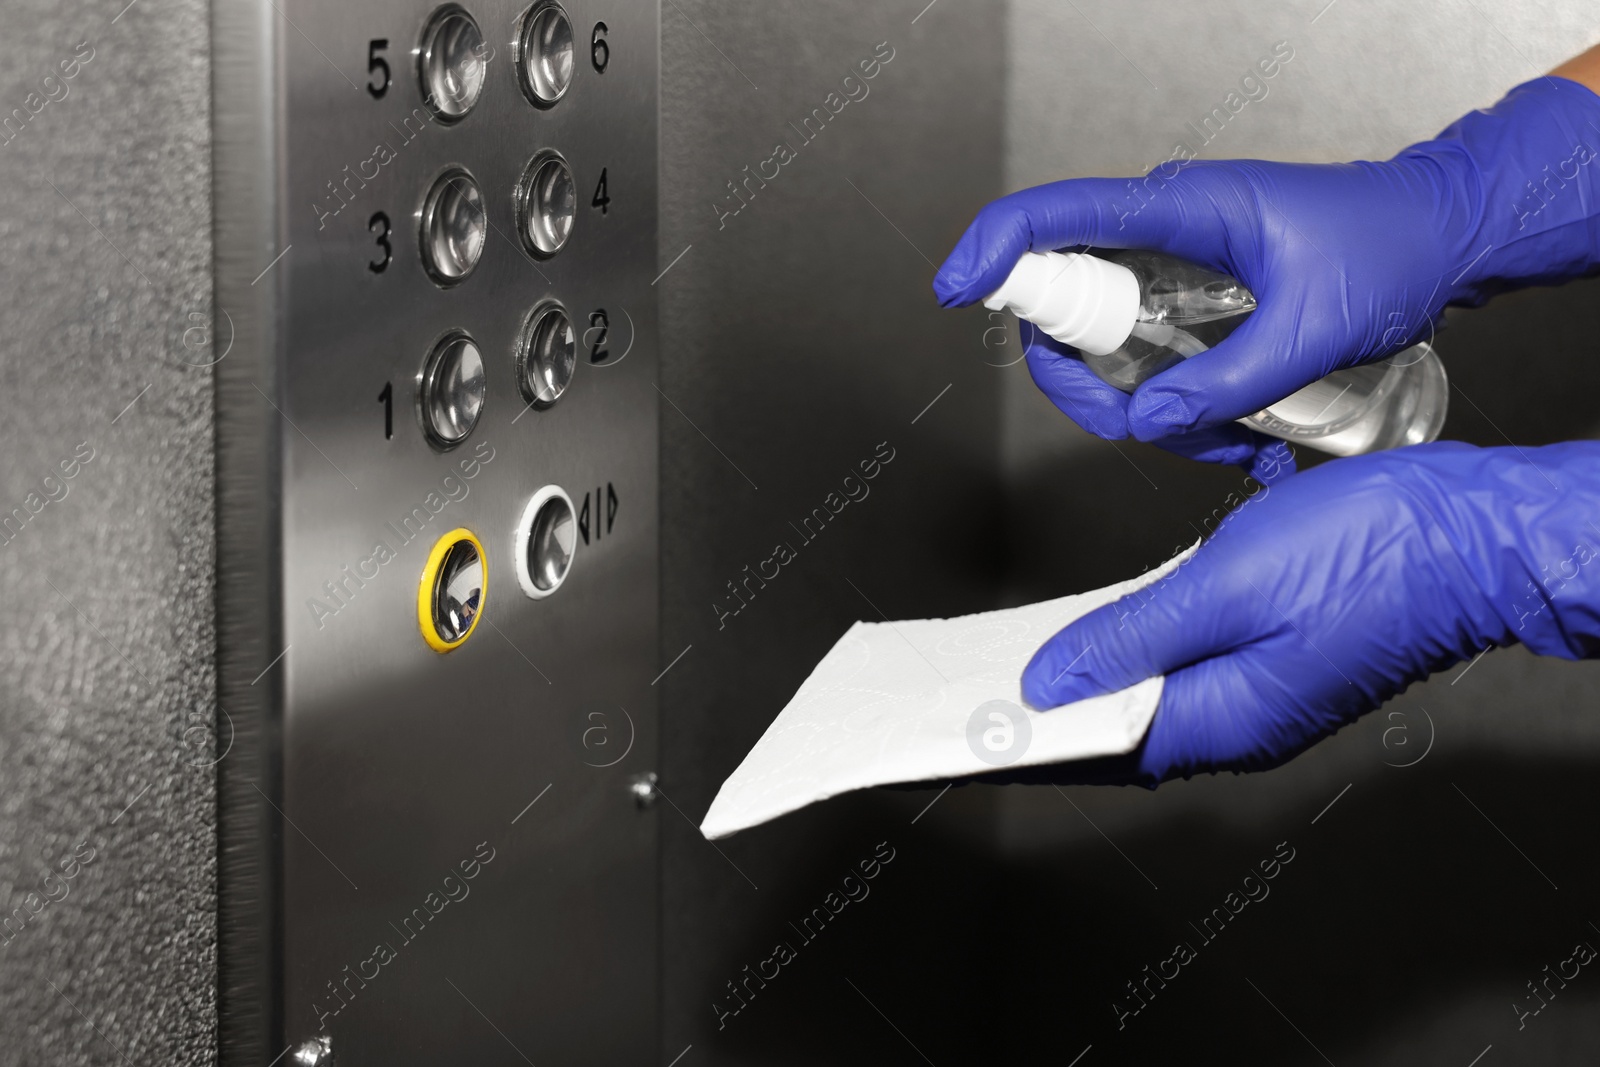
[(512, 754), (797, 335)]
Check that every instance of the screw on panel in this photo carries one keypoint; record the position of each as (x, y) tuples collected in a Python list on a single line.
[(313, 1052), (643, 788)]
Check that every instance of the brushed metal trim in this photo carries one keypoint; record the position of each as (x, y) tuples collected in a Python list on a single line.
[(246, 164)]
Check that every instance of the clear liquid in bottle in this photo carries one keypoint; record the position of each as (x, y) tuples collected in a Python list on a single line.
[(1184, 309)]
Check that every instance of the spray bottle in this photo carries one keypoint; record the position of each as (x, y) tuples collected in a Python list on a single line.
[(1132, 314)]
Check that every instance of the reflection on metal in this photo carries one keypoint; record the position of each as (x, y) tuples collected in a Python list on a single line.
[(453, 226), (451, 389), (547, 354), (313, 1052), (546, 541), (547, 202), (644, 789), (544, 55), (451, 62)]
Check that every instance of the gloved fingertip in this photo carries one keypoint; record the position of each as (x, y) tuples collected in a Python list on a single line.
[(1155, 413), (1157, 762), (1046, 685), (1108, 425), (1036, 694), (953, 282), (1271, 463), (1240, 455), (959, 279), (1076, 392), (1244, 456)]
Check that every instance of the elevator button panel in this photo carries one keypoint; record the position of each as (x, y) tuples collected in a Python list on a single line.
[(461, 491)]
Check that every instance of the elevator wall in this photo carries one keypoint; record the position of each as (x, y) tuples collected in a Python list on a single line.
[(107, 688), (800, 338)]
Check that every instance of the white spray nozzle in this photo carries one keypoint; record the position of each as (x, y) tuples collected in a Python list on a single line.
[(1088, 303)]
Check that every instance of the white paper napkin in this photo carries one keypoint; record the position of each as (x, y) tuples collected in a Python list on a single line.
[(900, 702)]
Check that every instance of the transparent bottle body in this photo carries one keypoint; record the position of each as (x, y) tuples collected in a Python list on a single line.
[(1185, 309)]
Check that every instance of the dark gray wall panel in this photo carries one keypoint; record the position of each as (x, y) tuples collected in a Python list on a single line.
[(106, 633), (796, 336)]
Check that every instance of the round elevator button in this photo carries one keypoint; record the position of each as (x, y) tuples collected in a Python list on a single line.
[(451, 390), (546, 541), (547, 202), (453, 227), (547, 354), (544, 53), (451, 62), (451, 594)]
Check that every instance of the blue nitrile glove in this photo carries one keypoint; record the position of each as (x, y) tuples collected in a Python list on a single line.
[(1102, 410), (1327, 594), (1348, 262)]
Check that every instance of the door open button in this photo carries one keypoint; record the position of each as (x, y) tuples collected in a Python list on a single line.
[(546, 540)]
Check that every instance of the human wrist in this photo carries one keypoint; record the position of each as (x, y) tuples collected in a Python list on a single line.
[(1583, 69)]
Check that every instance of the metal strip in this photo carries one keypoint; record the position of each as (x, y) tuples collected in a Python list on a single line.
[(245, 225)]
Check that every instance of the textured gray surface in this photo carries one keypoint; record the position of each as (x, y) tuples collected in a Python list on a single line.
[(106, 634), (796, 338)]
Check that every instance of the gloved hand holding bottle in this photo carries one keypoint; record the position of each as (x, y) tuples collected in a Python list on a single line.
[(1348, 262)]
